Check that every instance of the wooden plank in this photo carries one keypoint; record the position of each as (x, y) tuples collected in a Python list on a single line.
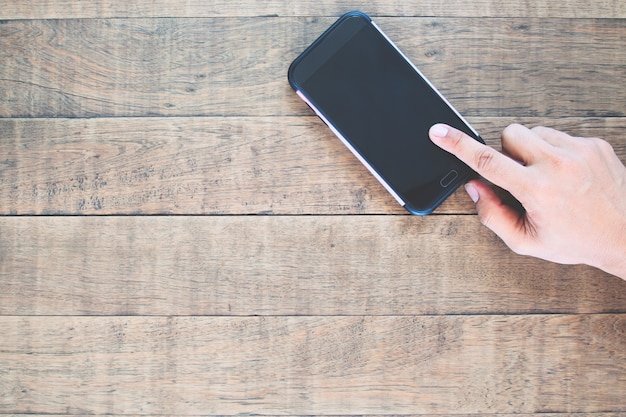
[(65, 9), (604, 414), (313, 365), (228, 66), (282, 265), (182, 165), (279, 165)]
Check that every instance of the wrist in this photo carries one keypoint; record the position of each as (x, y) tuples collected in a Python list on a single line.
[(614, 259)]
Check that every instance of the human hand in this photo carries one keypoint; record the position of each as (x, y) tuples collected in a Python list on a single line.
[(573, 193)]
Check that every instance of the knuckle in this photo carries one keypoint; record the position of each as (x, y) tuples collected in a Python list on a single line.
[(604, 146), (542, 130), (484, 159), (512, 129), (592, 148), (512, 126), (560, 160)]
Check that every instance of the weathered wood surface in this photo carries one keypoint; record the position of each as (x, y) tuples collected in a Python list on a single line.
[(166, 124), (277, 165), (313, 365), (282, 265), (605, 414), (215, 67), (602, 414), (51, 9)]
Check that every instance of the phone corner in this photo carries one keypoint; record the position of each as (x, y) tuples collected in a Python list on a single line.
[(290, 75), (419, 212), (356, 13)]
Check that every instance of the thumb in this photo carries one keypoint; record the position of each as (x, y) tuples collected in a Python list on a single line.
[(502, 219)]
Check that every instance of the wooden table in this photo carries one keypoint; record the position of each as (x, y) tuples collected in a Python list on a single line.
[(181, 235)]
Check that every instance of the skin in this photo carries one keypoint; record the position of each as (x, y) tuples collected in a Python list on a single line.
[(573, 193)]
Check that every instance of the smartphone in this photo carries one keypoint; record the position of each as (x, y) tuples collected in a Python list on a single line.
[(381, 107)]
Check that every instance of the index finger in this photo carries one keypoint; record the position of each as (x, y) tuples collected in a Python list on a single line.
[(486, 161)]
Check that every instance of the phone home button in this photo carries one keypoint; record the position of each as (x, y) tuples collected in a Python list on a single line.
[(448, 178)]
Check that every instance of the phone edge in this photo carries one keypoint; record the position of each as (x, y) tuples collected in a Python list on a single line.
[(463, 178), (352, 149)]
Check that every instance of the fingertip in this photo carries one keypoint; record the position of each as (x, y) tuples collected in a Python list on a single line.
[(438, 131), (447, 137), (472, 191)]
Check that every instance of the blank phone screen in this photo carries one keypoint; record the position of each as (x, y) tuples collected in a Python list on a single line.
[(381, 105)]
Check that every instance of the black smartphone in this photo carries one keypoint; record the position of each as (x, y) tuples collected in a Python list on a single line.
[(381, 107)]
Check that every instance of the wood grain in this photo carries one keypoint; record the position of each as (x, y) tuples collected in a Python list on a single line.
[(277, 165), (181, 165), (232, 66), (313, 365), (602, 414), (53, 9), (140, 141), (275, 265)]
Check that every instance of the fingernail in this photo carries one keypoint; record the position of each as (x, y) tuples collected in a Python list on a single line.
[(472, 192), (438, 131)]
